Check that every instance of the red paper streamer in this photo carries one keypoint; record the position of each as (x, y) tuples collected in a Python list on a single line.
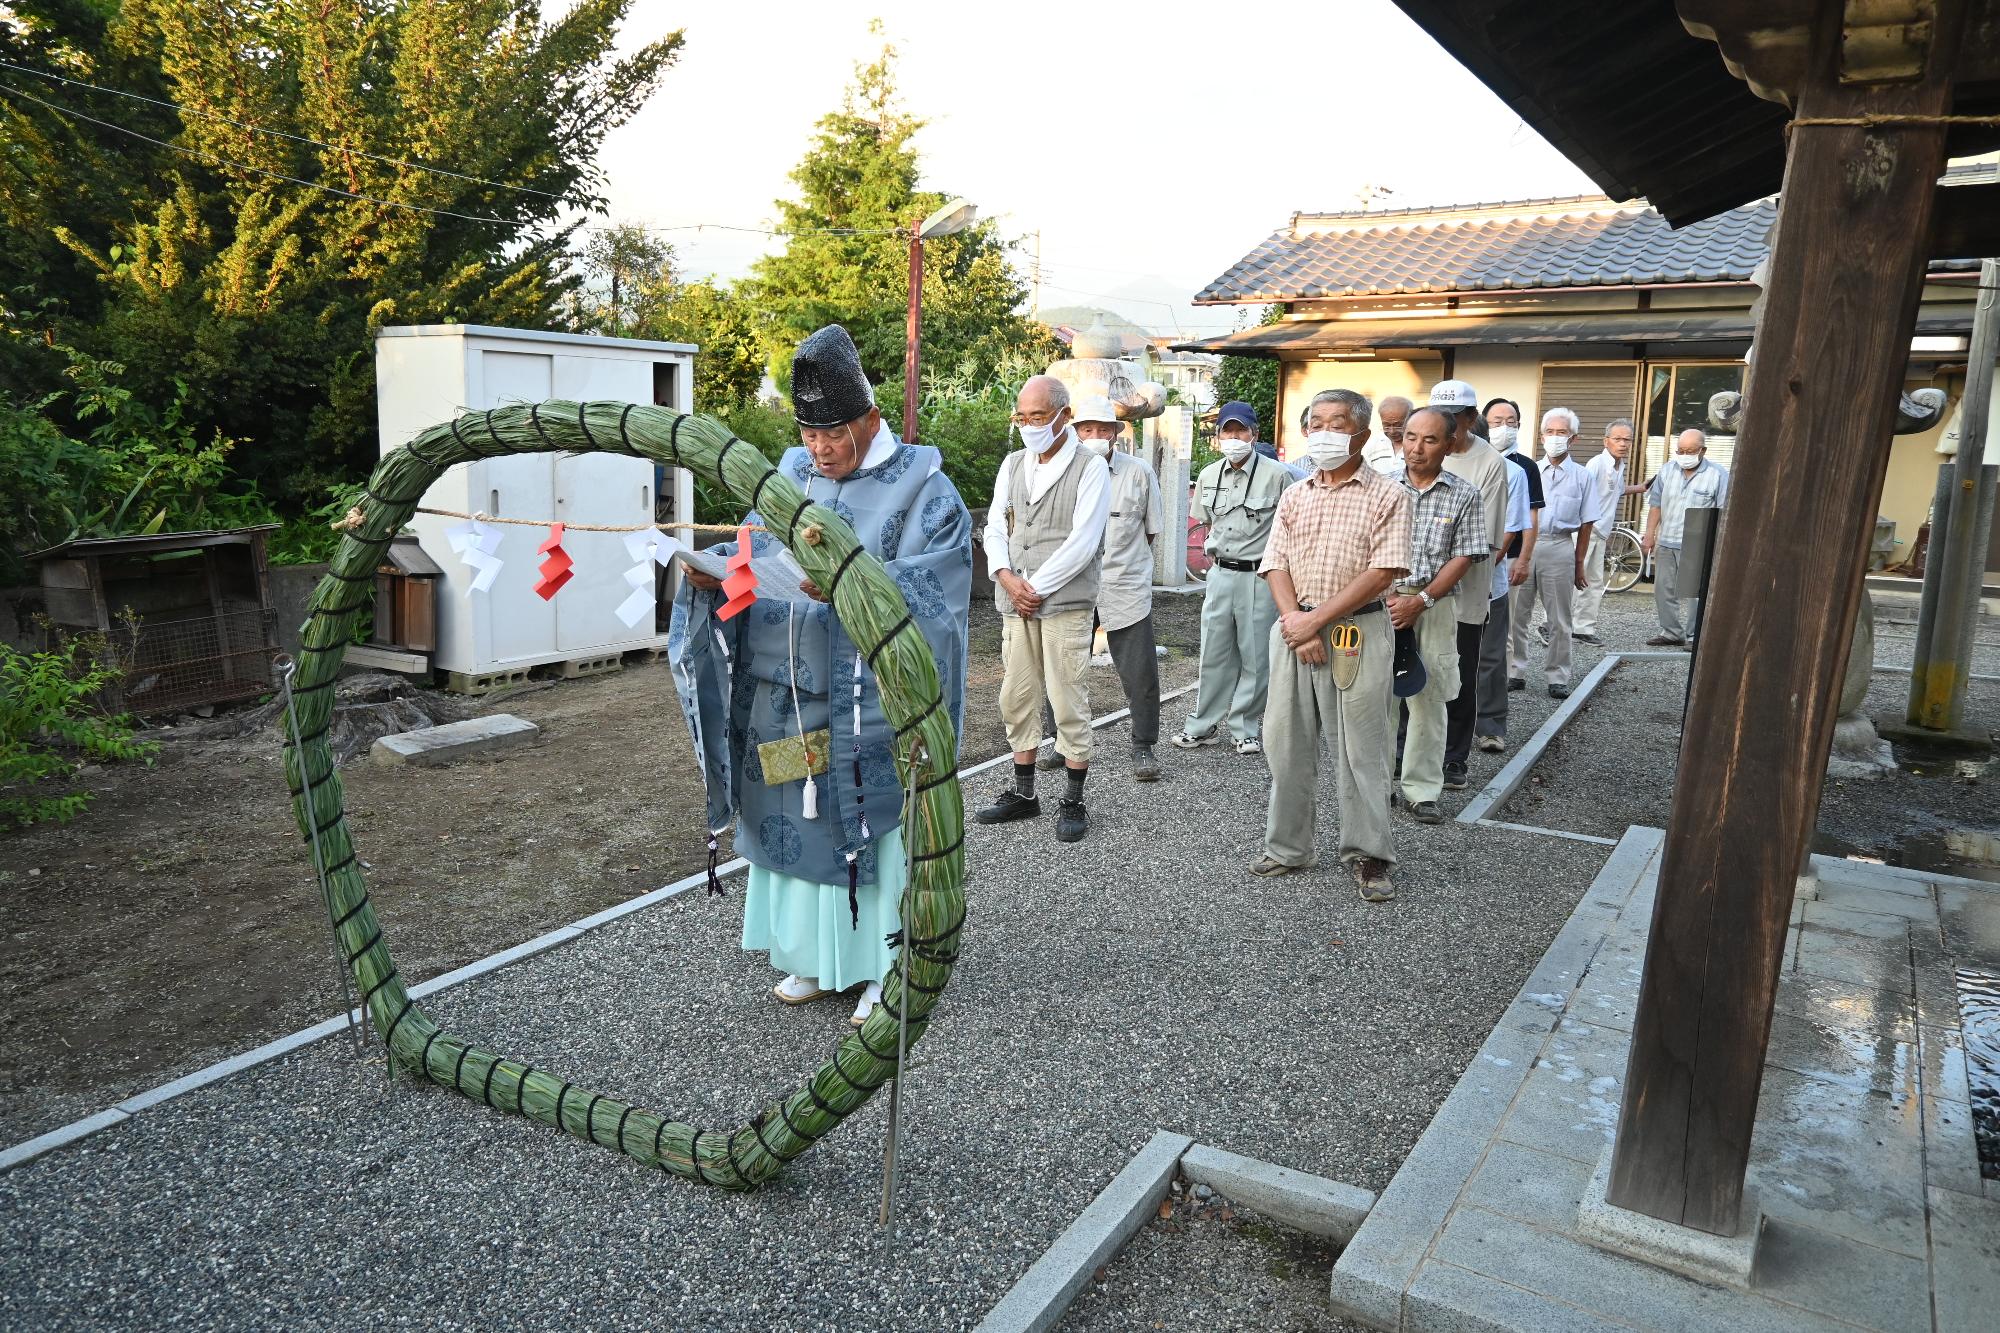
[(741, 585), (558, 569)]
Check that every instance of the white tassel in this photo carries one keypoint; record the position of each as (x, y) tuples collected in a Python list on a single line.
[(812, 797)]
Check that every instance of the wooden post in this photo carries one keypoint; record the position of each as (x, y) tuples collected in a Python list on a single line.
[(1847, 262)]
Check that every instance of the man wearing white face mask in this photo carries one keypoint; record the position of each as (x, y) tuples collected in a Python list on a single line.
[(1125, 590), (1688, 481), (1340, 541), (1045, 546), (1575, 508), (1237, 497)]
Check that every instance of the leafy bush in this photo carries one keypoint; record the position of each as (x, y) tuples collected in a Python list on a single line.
[(50, 725), (309, 538), (134, 471)]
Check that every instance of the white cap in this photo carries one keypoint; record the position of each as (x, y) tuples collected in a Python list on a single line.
[(1453, 394), (1094, 408)]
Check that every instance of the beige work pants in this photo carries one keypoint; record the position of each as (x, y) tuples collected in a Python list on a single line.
[(1304, 707), (1592, 597), (1423, 742), (1043, 659)]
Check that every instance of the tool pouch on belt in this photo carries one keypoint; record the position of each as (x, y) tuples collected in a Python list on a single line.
[(1344, 653)]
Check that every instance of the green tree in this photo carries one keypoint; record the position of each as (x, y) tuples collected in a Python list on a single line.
[(846, 257), (631, 289), (1254, 380), (462, 133)]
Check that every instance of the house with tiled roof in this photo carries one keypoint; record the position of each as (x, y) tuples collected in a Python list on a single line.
[(1580, 302)]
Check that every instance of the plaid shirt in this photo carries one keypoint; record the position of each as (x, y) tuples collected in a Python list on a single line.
[(1325, 536), (1448, 521)]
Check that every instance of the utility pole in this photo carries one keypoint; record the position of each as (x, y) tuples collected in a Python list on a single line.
[(1038, 273), (1955, 570)]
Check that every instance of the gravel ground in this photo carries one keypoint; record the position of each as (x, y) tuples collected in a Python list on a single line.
[(175, 923), (1135, 980), (1614, 766), (1207, 1264)]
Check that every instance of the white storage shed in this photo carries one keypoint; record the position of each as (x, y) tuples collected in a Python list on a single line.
[(427, 374)]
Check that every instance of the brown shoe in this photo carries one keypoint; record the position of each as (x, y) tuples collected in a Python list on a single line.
[(1269, 867), (1665, 641), (1371, 876)]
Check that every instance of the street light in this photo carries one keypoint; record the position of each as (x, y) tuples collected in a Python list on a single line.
[(954, 217)]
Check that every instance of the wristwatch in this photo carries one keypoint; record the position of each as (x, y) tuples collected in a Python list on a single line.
[(1428, 600)]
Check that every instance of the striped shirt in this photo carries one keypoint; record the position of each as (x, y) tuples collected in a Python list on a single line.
[(1326, 536), (1447, 520)]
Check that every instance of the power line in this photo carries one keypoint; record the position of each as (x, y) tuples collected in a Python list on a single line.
[(260, 171), (181, 110)]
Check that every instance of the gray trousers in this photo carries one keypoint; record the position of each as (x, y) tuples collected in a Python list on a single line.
[(1676, 613), (1304, 707), (1136, 656), (1492, 693), (1552, 582), (1236, 618)]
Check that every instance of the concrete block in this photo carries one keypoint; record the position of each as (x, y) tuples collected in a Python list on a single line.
[(1725, 1260), (1308, 1203), (1823, 915), (1883, 964), (430, 746), (1803, 995), (30, 1149), (1842, 1160), (1610, 1286), (1879, 1056), (1038, 1300), (1965, 1245), (1569, 1101), (1945, 1073), (1448, 1299), (1951, 1152), (1842, 1279), (1543, 1188), (1855, 898)]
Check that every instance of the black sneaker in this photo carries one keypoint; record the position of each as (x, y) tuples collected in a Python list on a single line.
[(1516, 684), (1009, 806), (1454, 777), (1071, 822), (1591, 639), (1427, 812), (1558, 691)]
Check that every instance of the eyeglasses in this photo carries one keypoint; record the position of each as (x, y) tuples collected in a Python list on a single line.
[(1036, 418)]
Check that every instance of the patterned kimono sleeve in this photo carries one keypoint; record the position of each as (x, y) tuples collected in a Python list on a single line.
[(932, 567)]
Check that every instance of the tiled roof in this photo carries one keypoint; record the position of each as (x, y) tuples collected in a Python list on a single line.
[(1576, 241), (1582, 241), (1506, 247)]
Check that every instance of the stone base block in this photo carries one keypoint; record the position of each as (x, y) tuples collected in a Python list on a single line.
[(430, 746), (1724, 1260)]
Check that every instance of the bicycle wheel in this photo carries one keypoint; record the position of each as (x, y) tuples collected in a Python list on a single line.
[(1623, 560)]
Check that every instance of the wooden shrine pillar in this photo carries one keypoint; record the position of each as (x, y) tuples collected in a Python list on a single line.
[(1847, 262)]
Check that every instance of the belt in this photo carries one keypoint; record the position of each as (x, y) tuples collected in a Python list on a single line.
[(1239, 566), (1366, 609)]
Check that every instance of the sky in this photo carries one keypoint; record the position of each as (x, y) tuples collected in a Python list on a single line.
[(1151, 146)]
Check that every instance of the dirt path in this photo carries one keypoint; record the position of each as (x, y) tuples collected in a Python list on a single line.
[(176, 922)]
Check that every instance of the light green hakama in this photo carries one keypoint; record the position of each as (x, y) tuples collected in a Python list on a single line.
[(809, 931)]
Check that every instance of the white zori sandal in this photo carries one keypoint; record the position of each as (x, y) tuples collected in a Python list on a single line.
[(799, 990), (871, 995)]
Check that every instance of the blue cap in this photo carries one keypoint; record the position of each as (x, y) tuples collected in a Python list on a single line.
[(1239, 412)]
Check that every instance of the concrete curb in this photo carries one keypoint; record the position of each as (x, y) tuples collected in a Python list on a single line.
[(1591, 838), (1308, 1203), (1043, 1294), (1509, 779), (29, 1149)]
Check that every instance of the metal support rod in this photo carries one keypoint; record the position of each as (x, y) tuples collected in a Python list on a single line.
[(911, 329), (1939, 693)]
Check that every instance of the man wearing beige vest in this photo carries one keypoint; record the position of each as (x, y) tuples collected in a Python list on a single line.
[(1045, 546)]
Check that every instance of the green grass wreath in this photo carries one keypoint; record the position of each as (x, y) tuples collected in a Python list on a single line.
[(872, 609)]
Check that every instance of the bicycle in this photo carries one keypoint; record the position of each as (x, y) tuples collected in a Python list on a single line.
[(1625, 560)]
